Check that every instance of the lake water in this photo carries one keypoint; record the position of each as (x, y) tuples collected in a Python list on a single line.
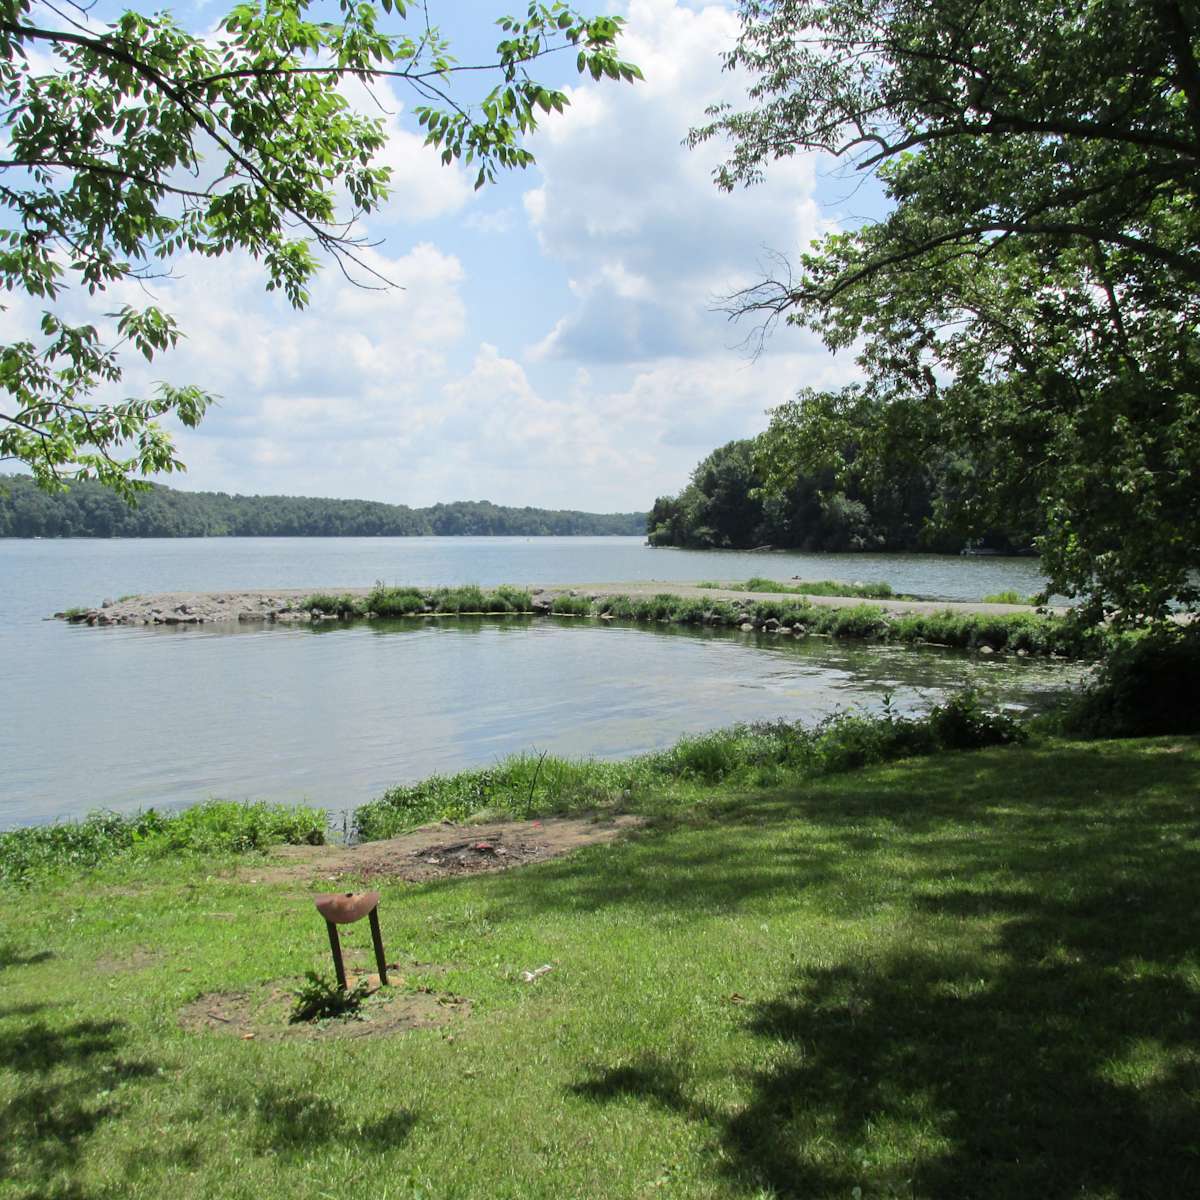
[(125, 718)]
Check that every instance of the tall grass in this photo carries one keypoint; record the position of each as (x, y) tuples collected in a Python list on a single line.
[(820, 587), (386, 601), (1007, 597), (758, 755), (214, 827)]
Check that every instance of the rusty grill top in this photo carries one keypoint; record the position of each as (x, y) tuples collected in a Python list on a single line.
[(342, 908)]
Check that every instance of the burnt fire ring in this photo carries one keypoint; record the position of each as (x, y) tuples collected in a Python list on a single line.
[(344, 908)]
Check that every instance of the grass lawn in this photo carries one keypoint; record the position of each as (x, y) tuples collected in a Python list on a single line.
[(976, 975)]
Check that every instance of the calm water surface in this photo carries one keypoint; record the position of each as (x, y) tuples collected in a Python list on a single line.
[(131, 717)]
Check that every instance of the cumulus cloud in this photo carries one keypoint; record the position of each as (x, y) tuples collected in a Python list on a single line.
[(432, 392), (422, 187), (648, 240), (302, 393)]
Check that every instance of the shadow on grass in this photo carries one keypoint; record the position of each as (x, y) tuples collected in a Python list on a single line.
[(68, 1081), (10, 956), (1033, 1029), (1058, 804), (292, 1123)]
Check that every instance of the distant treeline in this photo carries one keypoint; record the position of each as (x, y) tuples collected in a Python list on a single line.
[(724, 507), (91, 510)]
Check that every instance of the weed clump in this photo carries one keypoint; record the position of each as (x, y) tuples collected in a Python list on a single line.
[(343, 606), (320, 999)]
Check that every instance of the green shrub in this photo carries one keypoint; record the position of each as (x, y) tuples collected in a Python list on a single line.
[(466, 599), (1147, 685), (861, 621), (343, 605), (965, 723), (506, 598), (571, 606), (320, 999), (395, 601)]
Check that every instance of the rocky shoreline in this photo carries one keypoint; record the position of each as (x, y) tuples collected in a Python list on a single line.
[(288, 605)]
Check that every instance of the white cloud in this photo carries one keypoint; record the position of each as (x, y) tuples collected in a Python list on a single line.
[(500, 221), (423, 394), (422, 187), (648, 240)]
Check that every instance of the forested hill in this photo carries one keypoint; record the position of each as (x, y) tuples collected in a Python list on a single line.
[(91, 510)]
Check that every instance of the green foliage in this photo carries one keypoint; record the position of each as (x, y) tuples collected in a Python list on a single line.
[(1008, 597), (394, 601), (1025, 315), (823, 587), (727, 506), (327, 602), (385, 601), (214, 827), (104, 181), (571, 606), (965, 723), (861, 621), (320, 999), (88, 509), (1146, 686)]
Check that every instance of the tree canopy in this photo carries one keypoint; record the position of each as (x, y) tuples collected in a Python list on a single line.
[(1029, 306), (128, 145), (726, 506), (89, 509)]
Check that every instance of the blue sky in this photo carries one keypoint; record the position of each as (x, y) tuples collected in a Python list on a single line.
[(554, 343)]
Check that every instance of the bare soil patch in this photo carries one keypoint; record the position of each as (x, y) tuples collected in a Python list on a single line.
[(264, 1013), (138, 959), (444, 850)]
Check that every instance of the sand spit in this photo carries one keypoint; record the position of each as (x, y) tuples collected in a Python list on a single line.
[(288, 604)]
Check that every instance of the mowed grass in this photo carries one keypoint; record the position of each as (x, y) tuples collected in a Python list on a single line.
[(975, 975)]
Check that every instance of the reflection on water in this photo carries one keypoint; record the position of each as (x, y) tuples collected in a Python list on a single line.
[(334, 714)]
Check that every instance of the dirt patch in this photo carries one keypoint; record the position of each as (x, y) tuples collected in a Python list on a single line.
[(263, 1013), (137, 959), (443, 850)]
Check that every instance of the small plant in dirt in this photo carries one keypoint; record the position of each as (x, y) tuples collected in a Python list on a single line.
[(321, 999)]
